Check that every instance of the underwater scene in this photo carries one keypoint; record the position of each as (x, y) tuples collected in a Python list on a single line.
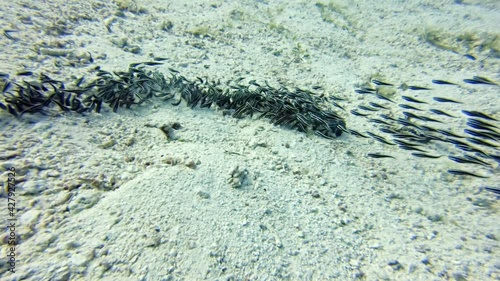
[(250, 140)]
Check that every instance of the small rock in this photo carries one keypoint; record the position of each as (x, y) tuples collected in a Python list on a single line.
[(72, 245), (459, 276), (491, 236), (108, 144), (238, 177), (426, 261), (30, 217), (315, 194), (255, 142), (412, 268), (395, 265), (43, 240), (130, 141), (129, 159), (32, 188), (84, 199), (53, 173), (190, 164), (202, 194), (435, 218)]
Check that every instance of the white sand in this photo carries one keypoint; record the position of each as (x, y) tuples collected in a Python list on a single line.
[(308, 209)]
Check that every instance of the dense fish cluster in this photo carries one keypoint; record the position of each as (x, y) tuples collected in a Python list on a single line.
[(420, 127), (298, 109)]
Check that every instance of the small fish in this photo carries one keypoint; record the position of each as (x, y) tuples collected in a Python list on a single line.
[(438, 99), (484, 135), (456, 142), (98, 106), (368, 89), (316, 87), (418, 88), (406, 147), (481, 142), (12, 110), (442, 82), (448, 133), (477, 160), (400, 142), (469, 56), (410, 99), (379, 138), (478, 115), (24, 73), (2, 106), (384, 98), (469, 148), (336, 98), (494, 157), (403, 136), (433, 137), (6, 34), (338, 105), (33, 109), (493, 189), (423, 155), (254, 83), (45, 78), (101, 73), (387, 117), (376, 105), (363, 92), (381, 83), (355, 112), (481, 123), (79, 81), (152, 63), (481, 127), (404, 122), (463, 160), (340, 127), (378, 121), (410, 115), (6, 86), (480, 80), (378, 155), (201, 81), (411, 137), (159, 59), (387, 131), (367, 108), (4, 75), (321, 134), (422, 118), (67, 101), (465, 173), (356, 133), (407, 106), (115, 104), (440, 112)]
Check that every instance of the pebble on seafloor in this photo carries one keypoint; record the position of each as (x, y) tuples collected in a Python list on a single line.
[(238, 177)]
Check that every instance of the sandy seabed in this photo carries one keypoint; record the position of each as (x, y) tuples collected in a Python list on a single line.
[(107, 197)]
